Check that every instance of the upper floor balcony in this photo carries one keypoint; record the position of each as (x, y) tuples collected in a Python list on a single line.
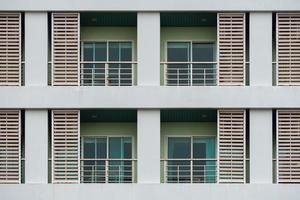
[(101, 49)]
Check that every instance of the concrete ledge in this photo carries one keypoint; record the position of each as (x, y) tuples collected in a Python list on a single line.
[(149, 192), (154, 5), (149, 97)]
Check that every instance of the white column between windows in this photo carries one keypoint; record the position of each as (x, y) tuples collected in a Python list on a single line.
[(148, 48), (36, 146), (36, 48), (148, 137)]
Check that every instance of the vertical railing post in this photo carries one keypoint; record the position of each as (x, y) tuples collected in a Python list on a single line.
[(132, 73), (165, 68), (178, 81), (165, 166), (204, 77), (106, 171), (106, 74), (119, 75), (191, 170), (177, 173), (191, 74), (93, 75), (132, 171)]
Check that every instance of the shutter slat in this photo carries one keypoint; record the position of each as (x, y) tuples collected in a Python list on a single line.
[(231, 146), (231, 48), (65, 49), (65, 146)]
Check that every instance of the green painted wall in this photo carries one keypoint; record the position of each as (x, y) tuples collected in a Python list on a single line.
[(197, 34), (100, 33)]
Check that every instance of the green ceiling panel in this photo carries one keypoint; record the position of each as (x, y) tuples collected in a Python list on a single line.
[(188, 115), (108, 115), (108, 19)]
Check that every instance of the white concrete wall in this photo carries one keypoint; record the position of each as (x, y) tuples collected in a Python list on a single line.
[(150, 97), (36, 48), (261, 146), (148, 44), (36, 146), (148, 134), (151, 192), (260, 43), (154, 5)]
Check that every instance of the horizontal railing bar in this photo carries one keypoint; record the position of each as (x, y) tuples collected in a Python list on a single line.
[(110, 159), (108, 62), (192, 62), (186, 159)]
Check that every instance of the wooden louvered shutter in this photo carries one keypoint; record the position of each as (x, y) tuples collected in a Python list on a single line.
[(65, 49), (288, 48), (231, 48), (288, 146), (10, 146), (10, 49), (65, 146), (231, 146)]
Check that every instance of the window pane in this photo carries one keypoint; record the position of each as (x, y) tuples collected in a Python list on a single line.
[(178, 51), (88, 51), (126, 51), (127, 146), (100, 51), (89, 147), (179, 147), (101, 147), (114, 54), (203, 52), (114, 147), (120, 51)]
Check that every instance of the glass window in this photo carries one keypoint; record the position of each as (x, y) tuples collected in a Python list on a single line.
[(120, 51), (178, 51), (203, 52)]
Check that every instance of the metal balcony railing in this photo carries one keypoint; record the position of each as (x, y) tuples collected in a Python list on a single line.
[(190, 170), (107, 170), (96, 73), (190, 73)]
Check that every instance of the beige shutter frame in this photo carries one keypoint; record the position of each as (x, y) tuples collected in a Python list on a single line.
[(288, 48), (288, 146), (65, 49), (65, 146), (231, 146), (10, 49), (231, 54), (10, 146)]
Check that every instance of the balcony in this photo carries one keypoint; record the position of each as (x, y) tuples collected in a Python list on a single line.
[(108, 146)]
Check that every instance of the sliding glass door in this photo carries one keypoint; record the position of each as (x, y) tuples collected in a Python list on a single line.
[(191, 159), (106, 159)]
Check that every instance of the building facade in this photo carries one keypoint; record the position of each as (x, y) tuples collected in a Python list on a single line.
[(150, 100)]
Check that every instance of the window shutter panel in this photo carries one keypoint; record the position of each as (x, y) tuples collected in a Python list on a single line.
[(231, 48), (10, 49), (65, 49), (288, 48), (231, 146), (65, 146), (10, 146), (288, 146)]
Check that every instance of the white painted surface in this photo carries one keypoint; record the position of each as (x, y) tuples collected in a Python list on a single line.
[(154, 5), (36, 48), (148, 134), (150, 191), (150, 97), (261, 145), (260, 37), (36, 146), (148, 48)]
